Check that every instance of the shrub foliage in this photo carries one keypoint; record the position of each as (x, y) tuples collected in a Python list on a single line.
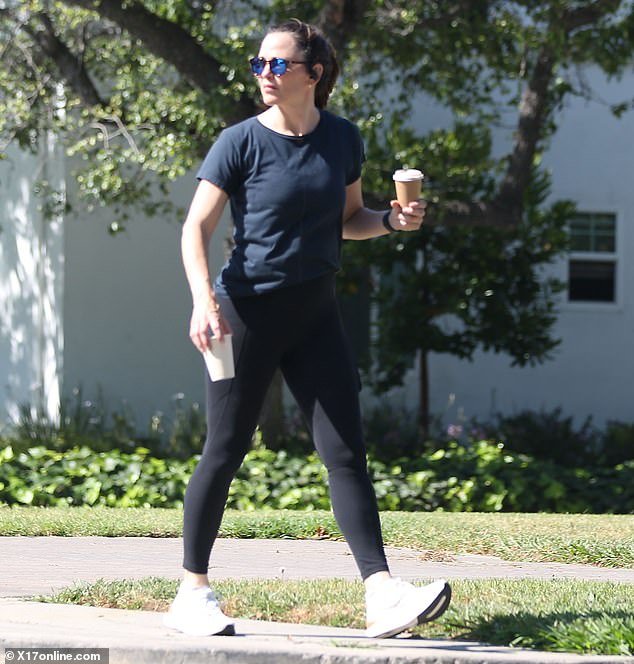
[(480, 475)]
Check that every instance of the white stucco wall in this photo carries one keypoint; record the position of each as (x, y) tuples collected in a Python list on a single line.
[(31, 284), (126, 312), (591, 158)]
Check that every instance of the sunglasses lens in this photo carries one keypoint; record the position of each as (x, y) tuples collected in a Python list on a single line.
[(257, 65), (278, 66)]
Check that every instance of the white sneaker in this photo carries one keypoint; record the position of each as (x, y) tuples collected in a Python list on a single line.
[(196, 611), (396, 605)]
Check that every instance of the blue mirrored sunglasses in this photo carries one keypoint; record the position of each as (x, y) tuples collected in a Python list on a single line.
[(278, 66)]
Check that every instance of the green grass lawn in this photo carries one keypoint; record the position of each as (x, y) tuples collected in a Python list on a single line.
[(606, 540), (559, 615)]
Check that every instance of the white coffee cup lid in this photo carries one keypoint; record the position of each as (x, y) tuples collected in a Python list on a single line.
[(407, 174)]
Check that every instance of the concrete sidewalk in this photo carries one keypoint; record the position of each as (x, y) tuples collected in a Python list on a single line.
[(39, 565), (50, 563)]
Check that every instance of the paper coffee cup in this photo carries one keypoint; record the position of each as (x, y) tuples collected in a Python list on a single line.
[(408, 183), (219, 359)]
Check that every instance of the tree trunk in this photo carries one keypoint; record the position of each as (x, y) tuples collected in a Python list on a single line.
[(423, 404)]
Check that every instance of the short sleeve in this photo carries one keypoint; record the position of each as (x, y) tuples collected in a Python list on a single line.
[(223, 166), (356, 155)]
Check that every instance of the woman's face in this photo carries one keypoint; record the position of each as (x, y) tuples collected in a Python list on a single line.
[(294, 87)]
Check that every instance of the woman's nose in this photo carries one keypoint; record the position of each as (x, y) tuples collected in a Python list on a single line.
[(266, 72)]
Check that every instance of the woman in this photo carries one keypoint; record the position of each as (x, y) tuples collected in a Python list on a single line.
[(293, 178)]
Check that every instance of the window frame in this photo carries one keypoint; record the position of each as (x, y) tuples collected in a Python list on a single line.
[(615, 257)]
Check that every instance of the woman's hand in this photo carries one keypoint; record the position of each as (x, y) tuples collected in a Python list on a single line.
[(360, 223), (206, 317), (409, 218)]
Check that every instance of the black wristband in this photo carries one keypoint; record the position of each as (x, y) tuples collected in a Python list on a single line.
[(386, 222)]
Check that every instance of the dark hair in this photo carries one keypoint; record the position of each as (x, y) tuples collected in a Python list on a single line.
[(316, 49)]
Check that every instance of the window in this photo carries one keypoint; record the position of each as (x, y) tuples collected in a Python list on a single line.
[(592, 264)]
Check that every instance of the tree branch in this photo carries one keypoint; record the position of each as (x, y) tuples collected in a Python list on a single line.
[(534, 108), (70, 66), (533, 112), (339, 20), (459, 9), (171, 43), (588, 14)]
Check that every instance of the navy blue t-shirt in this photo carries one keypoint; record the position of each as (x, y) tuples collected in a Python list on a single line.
[(287, 195)]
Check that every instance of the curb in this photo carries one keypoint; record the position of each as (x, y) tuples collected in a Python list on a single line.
[(139, 637)]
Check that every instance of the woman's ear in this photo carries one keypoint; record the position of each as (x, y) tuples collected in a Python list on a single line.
[(316, 72)]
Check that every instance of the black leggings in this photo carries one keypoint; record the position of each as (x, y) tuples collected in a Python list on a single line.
[(299, 330)]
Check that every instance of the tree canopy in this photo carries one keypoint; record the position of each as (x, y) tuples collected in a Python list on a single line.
[(147, 84), (138, 90)]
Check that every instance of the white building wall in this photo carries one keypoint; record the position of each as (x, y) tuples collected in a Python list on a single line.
[(126, 312), (31, 284), (591, 158)]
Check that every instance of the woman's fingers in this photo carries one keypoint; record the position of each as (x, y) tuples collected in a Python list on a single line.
[(205, 321), (410, 217)]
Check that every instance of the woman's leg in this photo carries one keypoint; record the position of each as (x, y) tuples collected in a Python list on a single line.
[(232, 411), (321, 374), (323, 378), (233, 407)]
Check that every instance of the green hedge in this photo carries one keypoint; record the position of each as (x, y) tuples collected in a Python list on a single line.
[(480, 476)]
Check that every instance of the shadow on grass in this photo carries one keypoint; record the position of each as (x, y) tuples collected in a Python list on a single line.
[(589, 632)]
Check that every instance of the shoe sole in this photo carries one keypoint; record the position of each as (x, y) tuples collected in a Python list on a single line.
[(393, 632), (227, 630), (433, 611), (438, 608)]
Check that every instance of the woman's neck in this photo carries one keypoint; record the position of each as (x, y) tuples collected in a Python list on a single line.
[(291, 121)]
